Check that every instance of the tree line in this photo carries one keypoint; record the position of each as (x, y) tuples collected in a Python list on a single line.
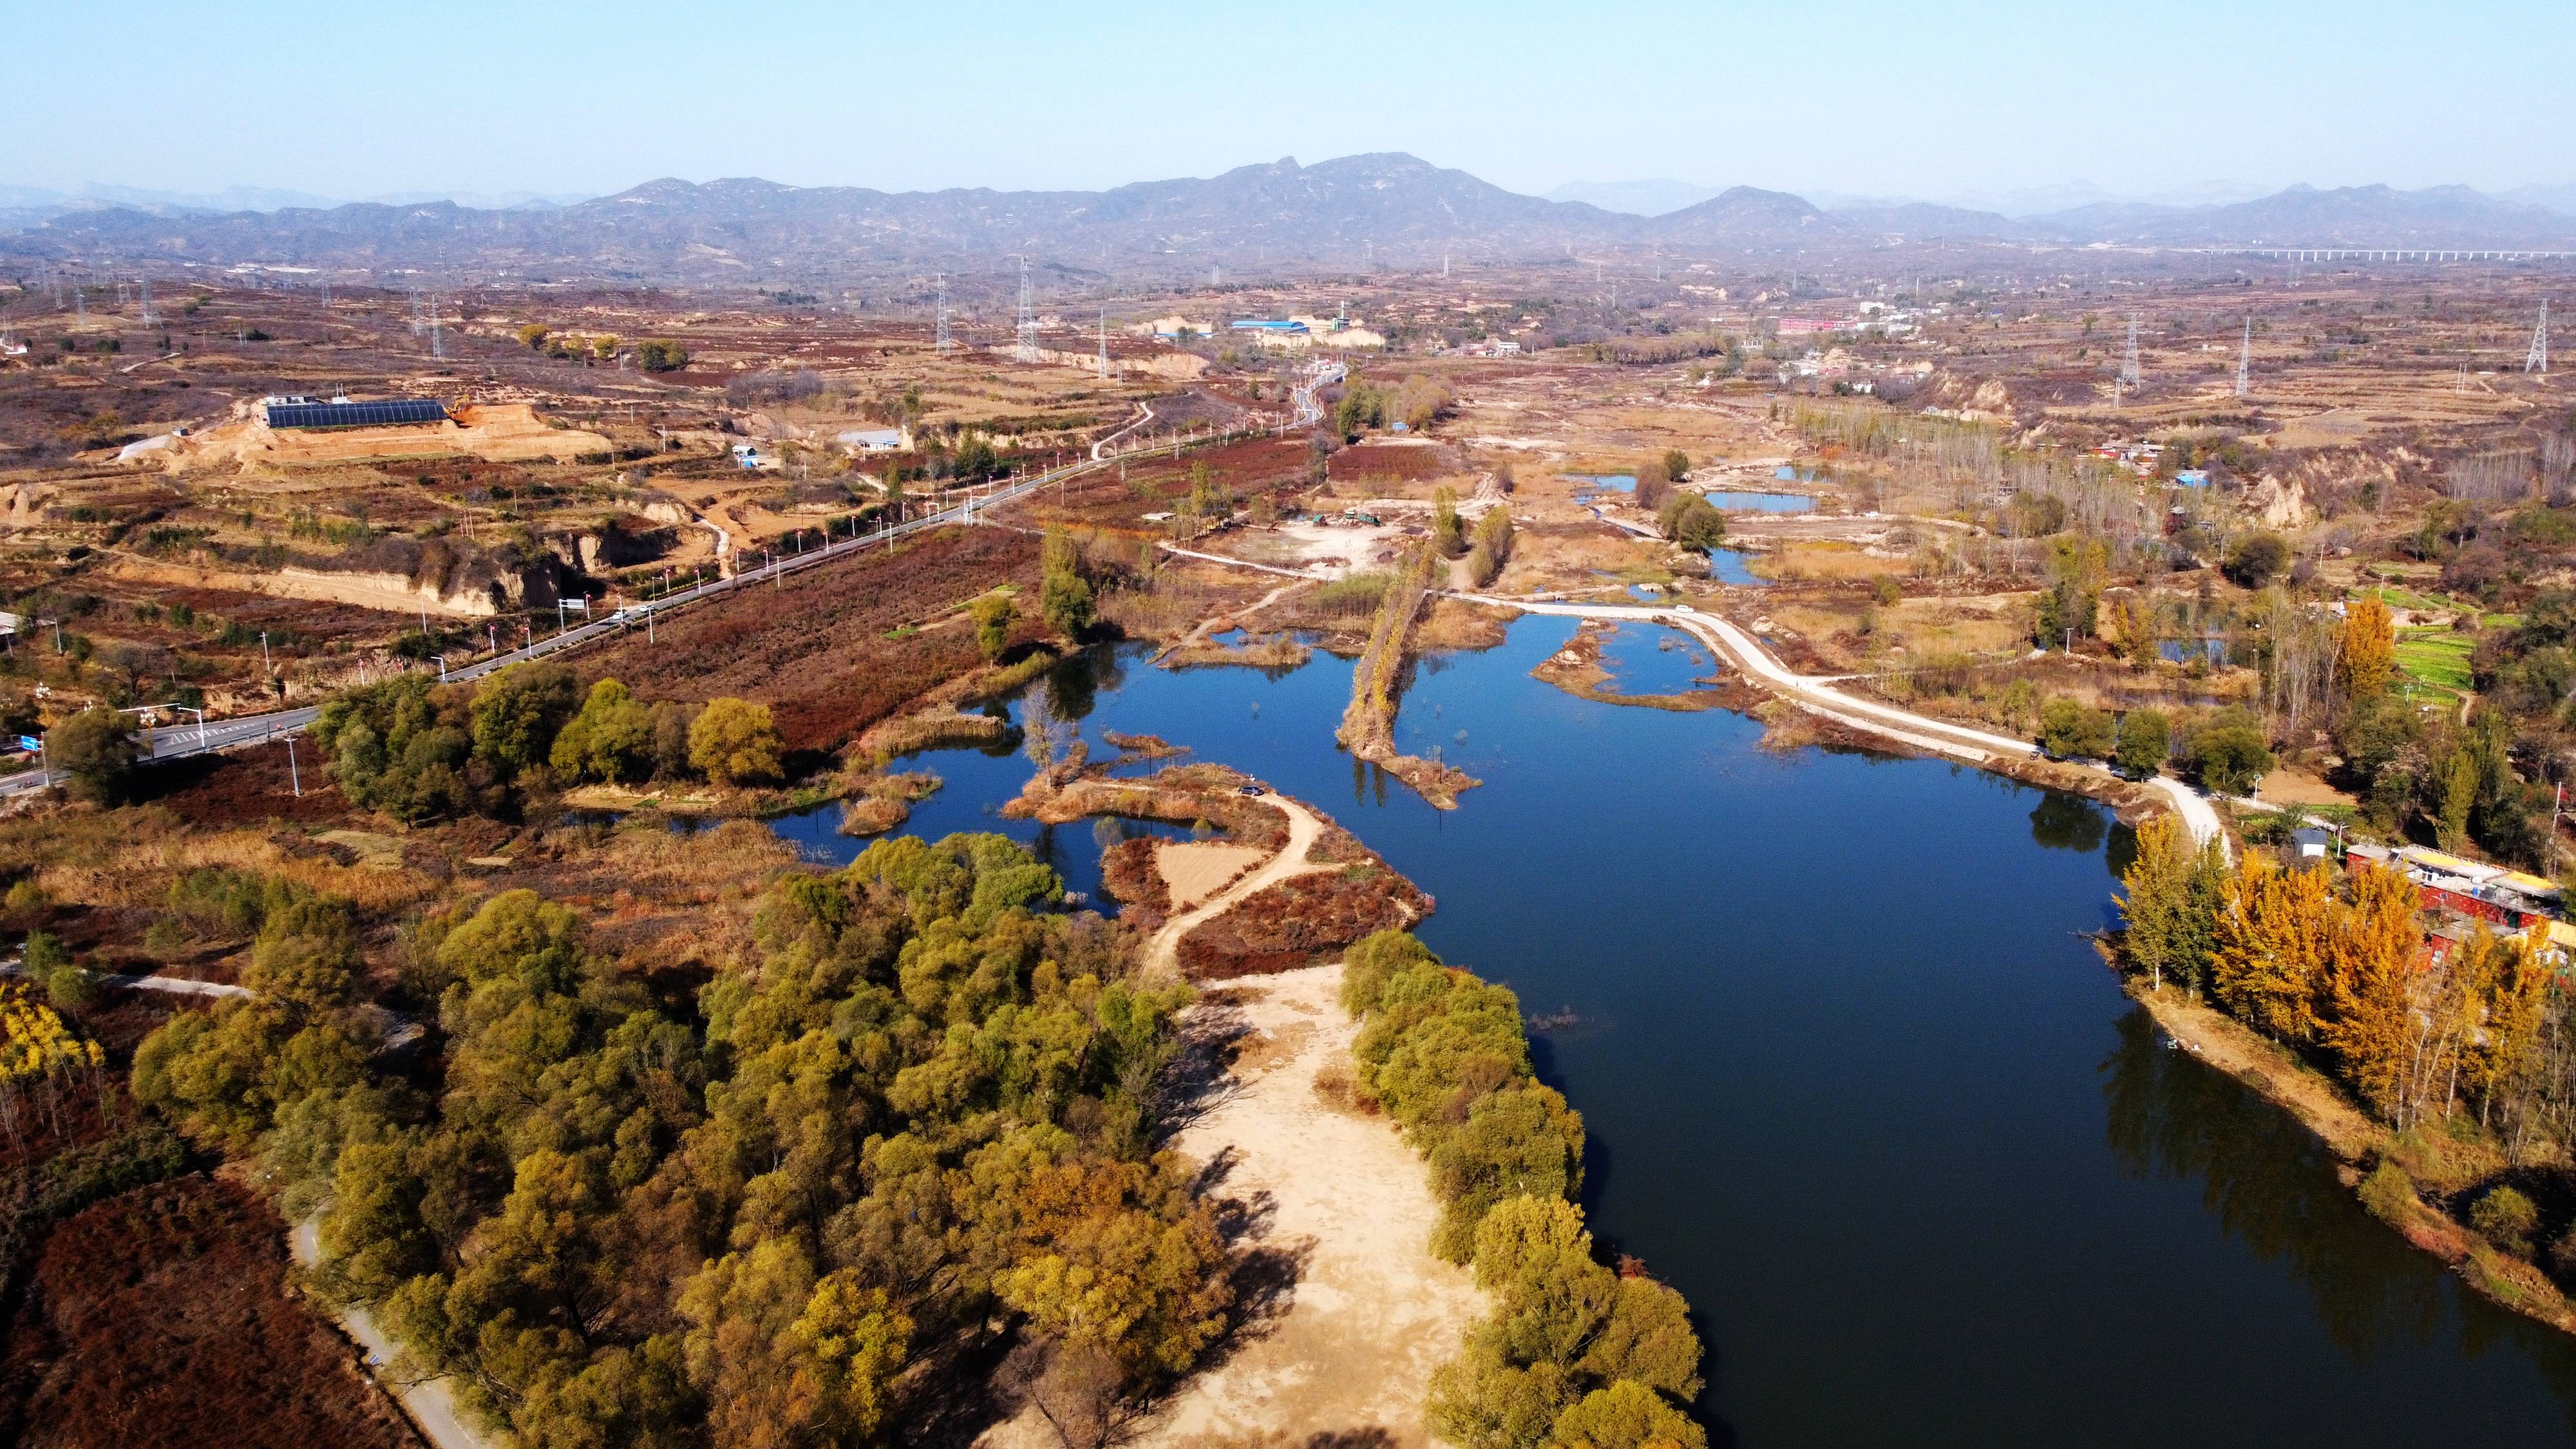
[(418, 750), (2424, 1030), (1573, 1353)]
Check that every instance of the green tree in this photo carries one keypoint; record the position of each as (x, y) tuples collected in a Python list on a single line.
[(94, 754), (661, 355), (1064, 596), (611, 739), (2256, 559), (2507, 1218), (735, 742), (1692, 521), (1676, 466), (517, 712), (993, 615), (2171, 896), (2145, 743), (1647, 1339), (2071, 731), (1448, 532), (398, 746), (1626, 1415), (1518, 1140), (2229, 751)]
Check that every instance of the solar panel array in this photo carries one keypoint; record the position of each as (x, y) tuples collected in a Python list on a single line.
[(355, 414)]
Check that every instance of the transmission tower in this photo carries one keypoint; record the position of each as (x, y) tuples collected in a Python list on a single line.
[(1104, 344), (2537, 360), (2130, 375), (437, 341), (942, 344), (1027, 350), (2245, 361), (150, 317)]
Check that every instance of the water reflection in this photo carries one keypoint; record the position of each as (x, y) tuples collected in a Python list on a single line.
[(2269, 1183), (2068, 822)]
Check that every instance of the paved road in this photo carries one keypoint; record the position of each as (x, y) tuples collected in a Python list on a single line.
[(1921, 731), (167, 742)]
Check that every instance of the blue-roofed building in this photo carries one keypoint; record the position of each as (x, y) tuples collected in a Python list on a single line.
[(2191, 478)]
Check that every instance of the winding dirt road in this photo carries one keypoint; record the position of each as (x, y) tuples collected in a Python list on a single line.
[(1818, 697), (1162, 954)]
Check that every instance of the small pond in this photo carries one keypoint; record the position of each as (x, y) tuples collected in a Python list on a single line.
[(1728, 501), (1727, 566)]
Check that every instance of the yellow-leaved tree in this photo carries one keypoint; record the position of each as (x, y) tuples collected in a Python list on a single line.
[(2369, 657), (2270, 961), (2370, 959), (735, 742)]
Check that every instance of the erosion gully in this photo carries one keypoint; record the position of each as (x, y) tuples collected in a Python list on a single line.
[(1855, 1083)]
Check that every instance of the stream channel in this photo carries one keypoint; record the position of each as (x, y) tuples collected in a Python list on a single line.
[(1854, 1082)]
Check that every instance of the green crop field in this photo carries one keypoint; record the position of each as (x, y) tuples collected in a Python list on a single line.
[(2435, 657)]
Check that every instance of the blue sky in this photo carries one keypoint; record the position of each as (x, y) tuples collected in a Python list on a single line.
[(1977, 95)]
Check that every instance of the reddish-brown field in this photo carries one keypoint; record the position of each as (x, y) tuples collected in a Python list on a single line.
[(163, 1317), (1302, 920), (824, 649), (1393, 463), (247, 786)]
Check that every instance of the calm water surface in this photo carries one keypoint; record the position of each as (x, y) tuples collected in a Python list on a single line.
[(1730, 501), (1854, 1083)]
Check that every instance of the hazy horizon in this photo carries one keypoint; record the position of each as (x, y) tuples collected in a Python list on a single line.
[(588, 99)]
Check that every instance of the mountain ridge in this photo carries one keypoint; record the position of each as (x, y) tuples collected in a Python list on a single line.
[(1387, 207)]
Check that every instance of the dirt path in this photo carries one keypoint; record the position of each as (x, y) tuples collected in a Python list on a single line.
[(1371, 1313), (432, 1408), (1162, 955), (1349, 1312), (1231, 619)]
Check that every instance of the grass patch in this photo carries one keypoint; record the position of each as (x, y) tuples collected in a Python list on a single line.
[(2438, 658)]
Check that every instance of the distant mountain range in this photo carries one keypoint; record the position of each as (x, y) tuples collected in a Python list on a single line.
[(1387, 208), (258, 198)]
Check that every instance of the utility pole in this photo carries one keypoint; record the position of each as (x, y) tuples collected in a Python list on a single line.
[(2245, 361), (294, 776)]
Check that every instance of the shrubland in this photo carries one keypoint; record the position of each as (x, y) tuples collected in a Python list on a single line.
[(913, 1124)]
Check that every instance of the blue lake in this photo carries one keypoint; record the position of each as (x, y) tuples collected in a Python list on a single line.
[(1854, 1082)]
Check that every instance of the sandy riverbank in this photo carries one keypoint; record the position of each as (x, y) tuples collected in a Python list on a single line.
[(1341, 1211)]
